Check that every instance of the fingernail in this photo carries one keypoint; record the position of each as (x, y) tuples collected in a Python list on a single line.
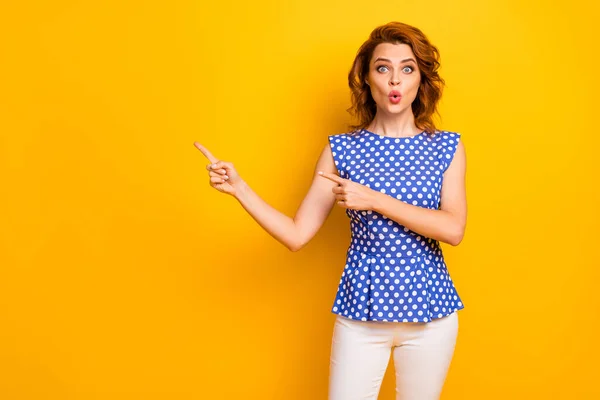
[(320, 172), (213, 166), (226, 177)]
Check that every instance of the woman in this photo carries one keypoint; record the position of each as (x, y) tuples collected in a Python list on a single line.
[(402, 183)]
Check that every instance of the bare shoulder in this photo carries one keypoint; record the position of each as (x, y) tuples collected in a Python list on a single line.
[(460, 156), (461, 153), (453, 151), (332, 156), (326, 161)]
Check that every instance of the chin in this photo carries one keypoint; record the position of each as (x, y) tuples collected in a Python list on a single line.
[(395, 108)]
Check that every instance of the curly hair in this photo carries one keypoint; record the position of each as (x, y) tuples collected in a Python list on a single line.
[(428, 60)]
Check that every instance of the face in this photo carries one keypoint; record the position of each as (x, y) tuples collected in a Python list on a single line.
[(393, 71)]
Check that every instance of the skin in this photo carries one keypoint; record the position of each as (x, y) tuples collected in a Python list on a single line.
[(327, 188), (389, 70)]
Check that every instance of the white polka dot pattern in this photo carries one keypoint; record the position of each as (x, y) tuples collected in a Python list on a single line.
[(392, 273)]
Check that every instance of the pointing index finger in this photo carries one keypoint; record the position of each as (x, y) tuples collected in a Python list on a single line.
[(331, 177), (206, 153)]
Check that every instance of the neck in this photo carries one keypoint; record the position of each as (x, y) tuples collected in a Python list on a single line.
[(396, 125)]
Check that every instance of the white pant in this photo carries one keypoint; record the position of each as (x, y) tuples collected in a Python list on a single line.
[(360, 352)]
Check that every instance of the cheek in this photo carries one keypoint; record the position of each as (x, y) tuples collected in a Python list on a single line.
[(416, 85), (413, 91)]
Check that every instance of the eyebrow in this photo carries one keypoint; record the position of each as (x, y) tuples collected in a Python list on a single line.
[(385, 59)]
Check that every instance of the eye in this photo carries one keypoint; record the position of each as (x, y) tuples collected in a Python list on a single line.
[(411, 68), (381, 66)]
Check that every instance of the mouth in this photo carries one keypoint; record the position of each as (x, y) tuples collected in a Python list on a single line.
[(395, 97)]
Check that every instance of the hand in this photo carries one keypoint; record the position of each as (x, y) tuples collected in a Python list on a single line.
[(223, 175), (350, 194)]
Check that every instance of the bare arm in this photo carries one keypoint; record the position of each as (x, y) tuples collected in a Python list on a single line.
[(447, 224), (295, 232)]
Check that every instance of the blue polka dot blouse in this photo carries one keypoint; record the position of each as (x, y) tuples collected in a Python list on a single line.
[(392, 273)]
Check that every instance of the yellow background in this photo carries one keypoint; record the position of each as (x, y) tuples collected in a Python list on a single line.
[(124, 275)]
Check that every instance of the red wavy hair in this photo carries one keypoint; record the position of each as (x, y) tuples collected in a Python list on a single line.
[(428, 60)]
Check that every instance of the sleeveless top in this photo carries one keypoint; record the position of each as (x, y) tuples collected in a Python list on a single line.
[(392, 273)]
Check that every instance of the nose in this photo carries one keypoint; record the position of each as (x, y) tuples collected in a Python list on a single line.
[(394, 80)]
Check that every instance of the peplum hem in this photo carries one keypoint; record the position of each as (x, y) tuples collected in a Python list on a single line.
[(377, 287)]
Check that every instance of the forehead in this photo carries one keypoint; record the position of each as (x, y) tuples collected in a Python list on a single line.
[(393, 52)]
